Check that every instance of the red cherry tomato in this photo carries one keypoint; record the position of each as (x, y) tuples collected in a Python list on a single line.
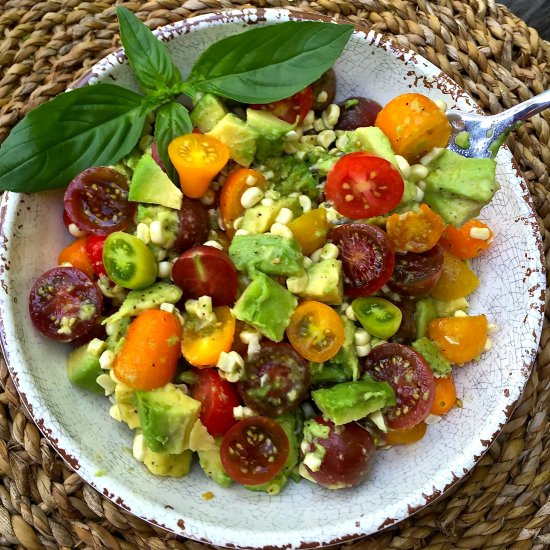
[(194, 225), (410, 376), (94, 249), (363, 186), (206, 271), (254, 450), (289, 108), (96, 201), (64, 304), (367, 257), (357, 112), (217, 397)]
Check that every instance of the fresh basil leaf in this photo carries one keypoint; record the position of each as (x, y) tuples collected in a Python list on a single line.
[(91, 126), (148, 56), (266, 64), (172, 121)]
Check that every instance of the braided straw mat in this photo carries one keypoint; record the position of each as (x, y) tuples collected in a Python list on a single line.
[(504, 502)]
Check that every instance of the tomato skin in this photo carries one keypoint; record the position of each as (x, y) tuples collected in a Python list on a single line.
[(254, 450), (363, 186), (379, 317), (311, 230), (406, 436), (94, 249), (315, 331), (289, 108), (445, 395), (459, 242), (456, 281), (193, 226), (217, 397), (360, 115), (76, 255)]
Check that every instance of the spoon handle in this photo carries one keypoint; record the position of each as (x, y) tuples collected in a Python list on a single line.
[(526, 109)]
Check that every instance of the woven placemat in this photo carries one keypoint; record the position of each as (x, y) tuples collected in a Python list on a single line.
[(504, 502)]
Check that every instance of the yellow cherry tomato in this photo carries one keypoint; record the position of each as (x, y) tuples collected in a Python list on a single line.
[(407, 435), (311, 230), (457, 279)]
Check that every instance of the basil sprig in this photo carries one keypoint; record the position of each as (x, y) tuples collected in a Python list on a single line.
[(100, 124)]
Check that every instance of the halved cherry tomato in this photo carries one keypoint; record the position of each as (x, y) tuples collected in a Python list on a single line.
[(445, 395), (406, 436), (254, 450), (415, 231), (315, 331), (363, 186), (150, 351), (197, 159), (456, 281), (94, 249), (194, 225), (235, 185), (311, 230), (379, 317), (460, 243), (414, 125), (461, 339), (289, 108), (217, 397), (76, 255), (202, 346)]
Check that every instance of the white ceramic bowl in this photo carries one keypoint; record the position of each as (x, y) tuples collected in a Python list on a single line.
[(403, 479)]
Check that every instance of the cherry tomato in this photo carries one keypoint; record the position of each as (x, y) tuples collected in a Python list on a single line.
[(206, 271), (357, 112), (64, 304), (460, 339), (414, 125), (410, 376), (367, 257), (460, 243), (235, 185), (457, 279), (407, 435), (416, 274), (289, 108), (76, 255), (94, 249), (217, 397), (193, 225), (275, 380), (407, 329), (202, 346), (348, 452), (315, 331), (445, 395), (156, 156), (325, 83), (96, 201), (361, 185), (311, 230), (254, 450), (378, 317), (197, 159), (415, 231)]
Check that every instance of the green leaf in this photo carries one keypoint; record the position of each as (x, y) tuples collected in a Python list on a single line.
[(148, 56), (172, 121), (91, 126), (269, 63)]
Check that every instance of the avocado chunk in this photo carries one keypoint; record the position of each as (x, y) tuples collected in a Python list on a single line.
[(369, 139), (212, 466), (238, 136), (325, 282), (270, 131), (424, 313), (439, 365), (117, 334), (261, 217), (150, 184), (208, 111), (167, 417), (83, 368), (290, 175), (327, 373), (447, 308), (168, 465), (267, 306), (125, 398), (271, 254), (169, 220), (457, 188), (351, 401)]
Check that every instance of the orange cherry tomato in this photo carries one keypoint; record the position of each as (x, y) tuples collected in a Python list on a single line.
[(150, 352), (415, 231), (460, 339), (457, 279), (235, 185), (315, 331), (76, 255), (406, 435), (445, 395), (311, 230), (414, 125), (197, 158), (460, 243), (202, 347)]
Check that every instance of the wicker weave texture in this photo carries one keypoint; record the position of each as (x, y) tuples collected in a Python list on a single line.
[(503, 503)]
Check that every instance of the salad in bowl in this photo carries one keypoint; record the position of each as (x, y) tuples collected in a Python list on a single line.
[(274, 279)]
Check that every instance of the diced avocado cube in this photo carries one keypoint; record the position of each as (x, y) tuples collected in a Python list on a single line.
[(167, 416), (374, 141), (423, 314), (408, 200), (290, 175), (212, 466), (125, 398), (268, 253), (168, 465), (267, 306), (208, 111), (325, 282), (238, 136), (150, 184), (270, 132), (439, 365), (260, 218), (327, 373), (83, 368), (445, 308), (351, 401)]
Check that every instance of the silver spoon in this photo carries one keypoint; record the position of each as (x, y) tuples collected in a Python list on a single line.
[(487, 133)]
